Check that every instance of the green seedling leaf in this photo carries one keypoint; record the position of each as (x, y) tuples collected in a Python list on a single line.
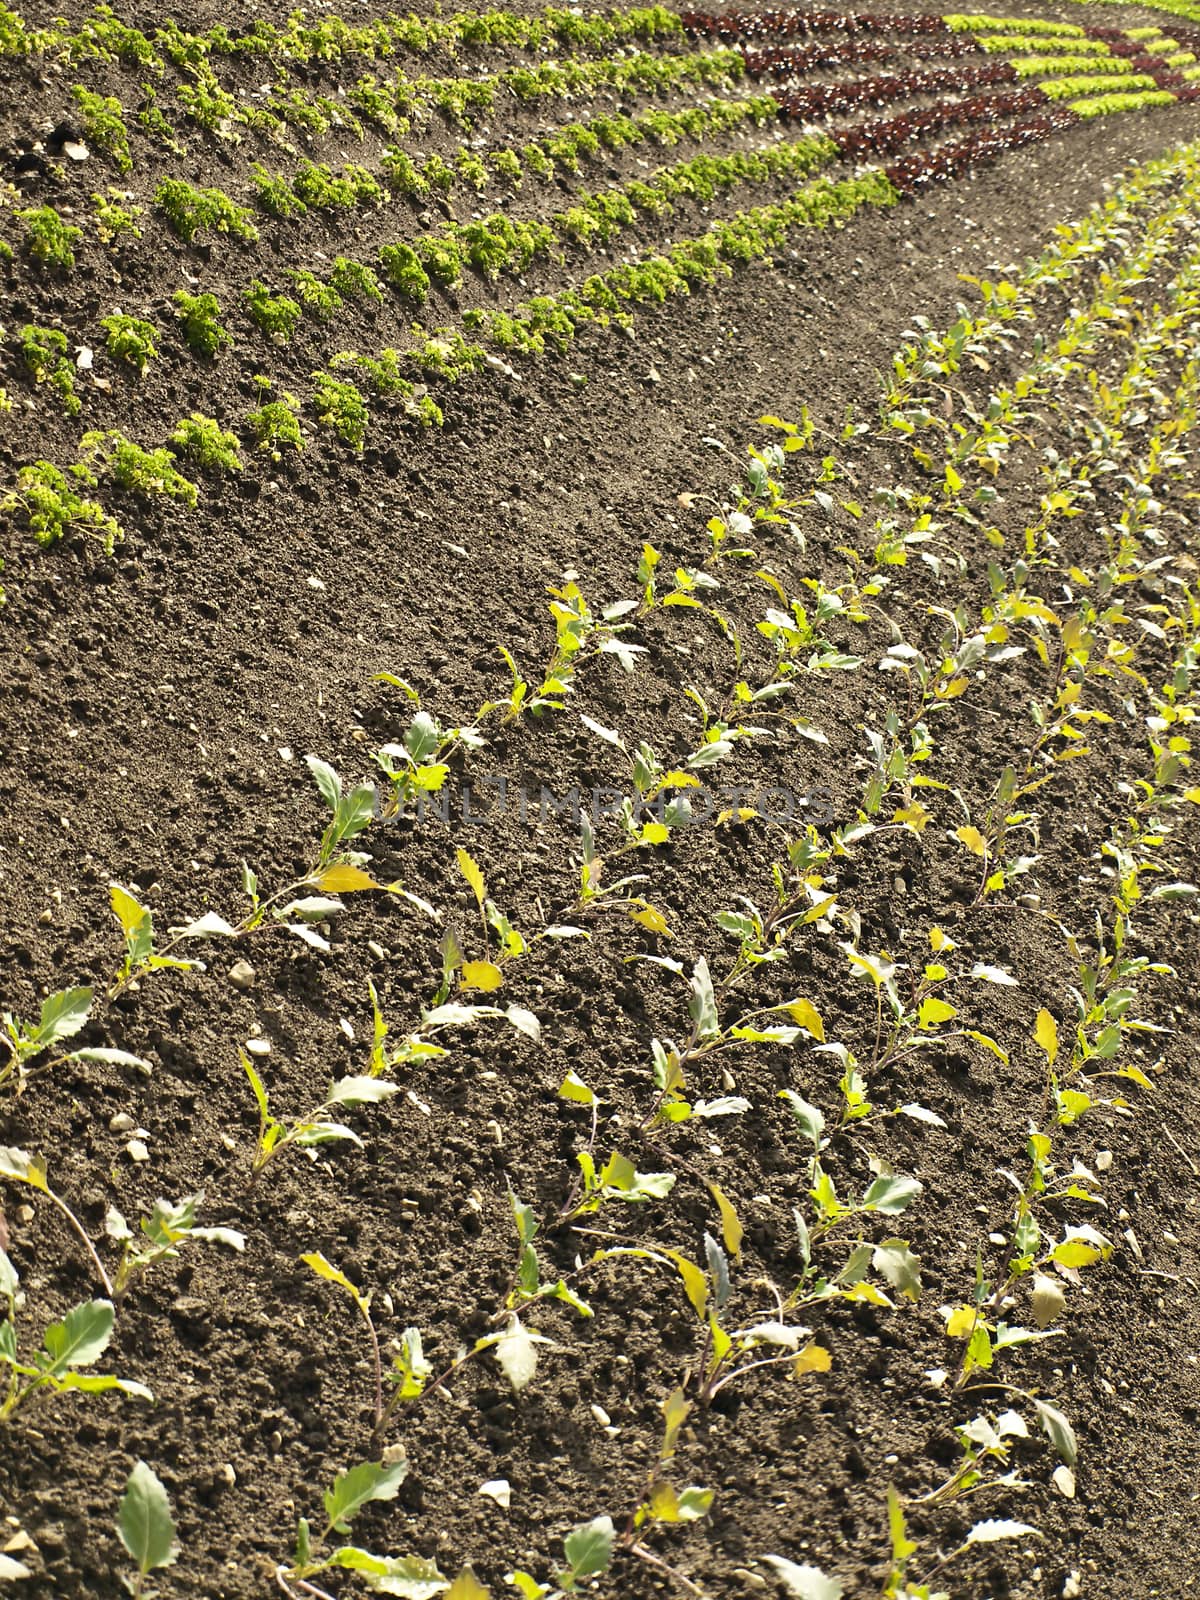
[(996, 975), (809, 1117), (896, 1263), (676, 1410), (22, 1168), (370, 1480), (407, 1577), (80, 1338), (934, 1011), (470, 871), (891, 1194), (482, 975), (105, 1056), (589, 1549), (516, 1352), (327, 781), (731, 1227), (144, 1521), (574, 1088), (1059, 1431), (805, 1582), (702, 1002), (358, 1091), (467, 1587), (805, 1015), (695, 1283), (63, 1015)]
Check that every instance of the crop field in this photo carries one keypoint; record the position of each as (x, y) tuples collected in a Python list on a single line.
[(599, 845)]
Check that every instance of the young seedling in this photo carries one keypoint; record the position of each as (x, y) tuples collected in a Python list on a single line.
[(62, 1016), (315, 1127), (78, 1341), (44, 351), (146, 1527), (362, 1303), (137, 471), (349, 1493), (137, 926), (52, 507), (116, 220), (276, 314), (165, 1231), (48, 238), (483, 974), (130, 339), (203, 440), (276, 425), (198, 314)]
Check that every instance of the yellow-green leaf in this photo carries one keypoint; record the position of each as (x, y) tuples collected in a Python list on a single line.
[(813, 1358), (345, 879), (1045, 1035), (731, 1227), (470, 871), (805, 1015), (973, 839), (485, 975), (934, 1011), (695, 1282), (127, 910), (652, 918)]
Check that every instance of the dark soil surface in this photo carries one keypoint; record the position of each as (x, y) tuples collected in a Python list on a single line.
[(155, 710)]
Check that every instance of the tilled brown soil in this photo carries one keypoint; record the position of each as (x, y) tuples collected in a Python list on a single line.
[(154, 712)]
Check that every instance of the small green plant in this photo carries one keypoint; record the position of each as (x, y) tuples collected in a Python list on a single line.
[(137, 928), (45, 354), (62, 1016), (130, 339), (103, 125), (275, 196), (506, 164), (322, 299), (138, 471), (275, 424), (202, 439), (189, 210), (48, 238), (353, 280), (116, 222), (371, 1480), (167, 1229), (78, 1341), (403, 270), (152, 122), (53, 508), (198, 314), (340, 405), (276, 314), (146, 1526), (312, 1128)]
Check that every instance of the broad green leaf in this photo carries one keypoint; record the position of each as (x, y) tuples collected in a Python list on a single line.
[(805, 1015), (327, 780), (895, 1262), (589, 1547), (63, 1014), (352, 1490), (22, 1167), (345, 879), (972, 839), (891, 1194), (810, 1118), (80, 1338), (105, 1056), (517, 1355), (676, 1410), (144, 1521), (996, 975), (467, 1587), (317, 1263), (574, 1088), (129, 912), (357, 1091), (934, 1011), (902, 1546), (695, 1281), (702, 1002)]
